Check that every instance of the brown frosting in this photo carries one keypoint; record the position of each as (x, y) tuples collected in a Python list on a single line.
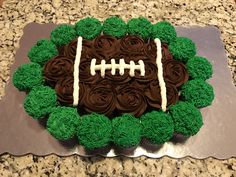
[(175, 72), (150, 73), (130, 99), (100, 98), (115, 94), (64, 89), (105, 47), (117, 78), (57, 68), (84, 74), (70, 49), (132, 48), (153, 95), (151, 50), (130, 44), (166, 55)]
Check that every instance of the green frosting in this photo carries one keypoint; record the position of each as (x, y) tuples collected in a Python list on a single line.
[(197, 92), (126, 131), (158, 127), (63, 123), (140, 26), (164, 31), (182, 49), (42, 51), (88, 28), (94, 131), (40, 101), (27, 76), (187, 118), (114, 26), (199, 68), (63, 34)]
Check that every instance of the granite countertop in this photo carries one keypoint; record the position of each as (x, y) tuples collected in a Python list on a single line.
[(14, 15)]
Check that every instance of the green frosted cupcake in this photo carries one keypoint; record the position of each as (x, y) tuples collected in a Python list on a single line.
[(182, 49), (40, 101), (94, 131), (164, 31), (197, 92), (88, 28), (187, 118), (157, 127), (28, 76), (126, 131), (42, 51), (63, 123), (199, 68), (140, 27), (63, 34), (114, 26)]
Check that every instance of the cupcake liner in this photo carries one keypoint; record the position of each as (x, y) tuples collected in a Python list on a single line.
[(149, 146), (125, 151), (70, 143), (179, 138), (102, 151)]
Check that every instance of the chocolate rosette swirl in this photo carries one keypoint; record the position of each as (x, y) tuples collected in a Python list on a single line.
[(57, 68), (132, 47), (87, 50), (165, 52), (64, 89), (172, 94), (85, 75), (151, 51), (153, 94), (150, 73), (70, 49), (131, 99), (100, 98), (105, 47), (117, 78), (175, 72)]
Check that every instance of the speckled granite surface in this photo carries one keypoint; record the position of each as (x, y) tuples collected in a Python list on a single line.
[(14, 15)]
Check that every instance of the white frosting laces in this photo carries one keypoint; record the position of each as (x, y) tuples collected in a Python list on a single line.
[(76, 72), (113, 67), (160, 75)]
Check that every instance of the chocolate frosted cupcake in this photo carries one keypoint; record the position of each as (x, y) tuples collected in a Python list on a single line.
[(157, 128), (94, 133), (126, 134)]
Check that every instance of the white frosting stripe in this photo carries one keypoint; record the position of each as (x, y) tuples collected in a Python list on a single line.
[(121, 66), (76, 72), (113, 67), (142, 67), (92, 67), (160, 75), (132, 68)]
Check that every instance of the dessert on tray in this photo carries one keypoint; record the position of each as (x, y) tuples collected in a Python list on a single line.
[(116, 84)]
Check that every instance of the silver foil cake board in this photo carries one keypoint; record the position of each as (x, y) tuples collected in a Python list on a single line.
[(20, 134)]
